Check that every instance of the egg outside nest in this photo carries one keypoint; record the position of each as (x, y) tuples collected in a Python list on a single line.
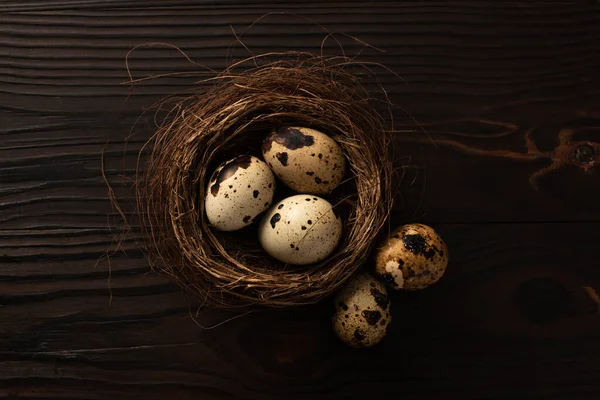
[(414, 257), (299, 89), (362, 313)]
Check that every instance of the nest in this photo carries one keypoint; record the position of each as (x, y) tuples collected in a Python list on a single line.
[(231, 117)]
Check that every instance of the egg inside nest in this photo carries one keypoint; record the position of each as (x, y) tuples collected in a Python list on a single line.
[(306, 160), (301, 229), (239, 190)]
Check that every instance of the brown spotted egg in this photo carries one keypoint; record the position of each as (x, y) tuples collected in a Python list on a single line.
[(301, 229), (362, 312), (305, 159), (239, 190), (414, 257)]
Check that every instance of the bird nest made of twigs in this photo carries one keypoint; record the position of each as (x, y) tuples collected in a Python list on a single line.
[(231, 117)]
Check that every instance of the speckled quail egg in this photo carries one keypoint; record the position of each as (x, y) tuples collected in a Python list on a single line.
[(362, 312), (239, 190), (414, 257), (301, 229), (305, 159)]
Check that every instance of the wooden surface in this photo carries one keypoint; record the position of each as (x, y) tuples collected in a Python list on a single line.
[(513, 318)]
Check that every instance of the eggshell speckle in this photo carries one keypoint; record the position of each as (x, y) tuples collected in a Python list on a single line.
[(305, 159), (362, 312), (413, 258), (239, 190), (301, 229)]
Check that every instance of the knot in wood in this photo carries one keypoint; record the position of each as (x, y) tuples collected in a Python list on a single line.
[(584, 155)]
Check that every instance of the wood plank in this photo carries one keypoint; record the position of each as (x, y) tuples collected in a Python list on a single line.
[(66, 334), (504, 57), (514, 317), (62, 75)]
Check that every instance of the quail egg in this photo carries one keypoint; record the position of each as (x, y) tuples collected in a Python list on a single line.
[(362, 312), (305, 159), (301, 229), (239, 190), (413, 258)]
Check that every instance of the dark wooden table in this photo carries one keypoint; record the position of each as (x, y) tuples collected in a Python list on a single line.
[(515, 316)]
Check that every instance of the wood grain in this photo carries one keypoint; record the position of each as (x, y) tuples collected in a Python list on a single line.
[(514, 316)]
